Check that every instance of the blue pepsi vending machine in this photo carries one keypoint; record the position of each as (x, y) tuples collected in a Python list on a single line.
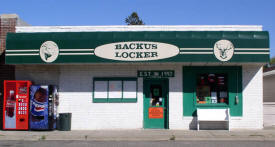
[(43, 107)]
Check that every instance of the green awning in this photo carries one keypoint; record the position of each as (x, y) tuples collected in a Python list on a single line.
[(147, 46)]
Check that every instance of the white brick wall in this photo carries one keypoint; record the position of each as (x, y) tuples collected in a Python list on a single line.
[(252, 99), (38, 74), (252, 104), (75, 86), (76, 97), (88, 115)]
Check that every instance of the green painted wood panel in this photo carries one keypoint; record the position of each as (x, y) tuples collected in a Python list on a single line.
[(155, 123)]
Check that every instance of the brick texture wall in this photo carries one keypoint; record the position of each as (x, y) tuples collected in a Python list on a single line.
[(7, 24)]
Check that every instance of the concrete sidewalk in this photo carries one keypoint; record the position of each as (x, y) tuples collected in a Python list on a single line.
[(140, 135)]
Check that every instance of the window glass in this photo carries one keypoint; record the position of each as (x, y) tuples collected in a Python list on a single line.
[(129, 89), (156, 95), (115, 89), (212, 88), (100, 89)]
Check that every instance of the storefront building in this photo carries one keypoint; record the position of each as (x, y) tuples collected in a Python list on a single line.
[(134, 77)]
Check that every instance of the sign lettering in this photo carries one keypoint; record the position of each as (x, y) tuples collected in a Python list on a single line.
[(156, 74), (136, 51), (155, 112)]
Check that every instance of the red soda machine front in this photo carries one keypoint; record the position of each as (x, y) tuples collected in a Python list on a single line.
[(16, 105)]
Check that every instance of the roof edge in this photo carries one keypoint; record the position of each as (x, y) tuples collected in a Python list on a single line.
[(32, 29)]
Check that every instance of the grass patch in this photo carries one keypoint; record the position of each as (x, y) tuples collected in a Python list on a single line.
[(253, 135), (43, 137), (173, 137)]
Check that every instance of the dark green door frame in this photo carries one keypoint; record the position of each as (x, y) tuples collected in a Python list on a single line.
[(155, 123)]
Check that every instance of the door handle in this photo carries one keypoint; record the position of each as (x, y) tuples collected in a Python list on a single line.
[(236, 100)]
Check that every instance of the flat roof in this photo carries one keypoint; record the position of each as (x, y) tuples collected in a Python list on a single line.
[(33, 29)]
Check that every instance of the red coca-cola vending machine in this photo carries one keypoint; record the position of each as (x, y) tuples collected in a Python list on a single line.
[(16, 105)]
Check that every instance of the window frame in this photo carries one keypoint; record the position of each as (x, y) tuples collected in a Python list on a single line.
[(115, 100), (235, 89)]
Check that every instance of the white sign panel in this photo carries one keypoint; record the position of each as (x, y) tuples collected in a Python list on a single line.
[(136, 51), (101, 89)]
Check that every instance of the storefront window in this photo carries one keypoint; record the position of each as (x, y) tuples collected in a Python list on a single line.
[(115, 90), (212, 88)]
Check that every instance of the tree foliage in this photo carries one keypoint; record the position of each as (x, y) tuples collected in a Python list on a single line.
[(134, 19), (272, 61)]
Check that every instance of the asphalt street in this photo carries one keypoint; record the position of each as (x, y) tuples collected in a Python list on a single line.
[(137, 143)]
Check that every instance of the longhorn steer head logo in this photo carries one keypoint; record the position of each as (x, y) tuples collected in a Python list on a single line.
[(223, 50)]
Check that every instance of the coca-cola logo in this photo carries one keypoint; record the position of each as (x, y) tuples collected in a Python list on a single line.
[(22, 90), (10, 103)]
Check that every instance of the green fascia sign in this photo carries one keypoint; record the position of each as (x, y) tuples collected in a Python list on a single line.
[(146, 46)]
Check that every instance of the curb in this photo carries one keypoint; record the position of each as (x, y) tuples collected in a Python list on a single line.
[(134, 135)]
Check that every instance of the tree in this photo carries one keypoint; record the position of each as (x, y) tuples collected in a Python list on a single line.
[(272, 61), (270, 64), (133, 19)]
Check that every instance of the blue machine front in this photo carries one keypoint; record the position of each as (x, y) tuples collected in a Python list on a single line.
[(39, 107)]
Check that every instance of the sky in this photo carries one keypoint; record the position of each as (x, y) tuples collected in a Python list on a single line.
[(152, 12)]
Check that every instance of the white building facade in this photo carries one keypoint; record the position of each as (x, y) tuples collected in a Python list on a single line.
[(135, 77)]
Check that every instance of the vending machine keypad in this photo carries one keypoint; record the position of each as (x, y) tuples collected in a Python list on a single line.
[(22, 107)]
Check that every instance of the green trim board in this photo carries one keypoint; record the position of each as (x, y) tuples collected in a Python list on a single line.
[(234, 74), (147, 46), (105, 97)]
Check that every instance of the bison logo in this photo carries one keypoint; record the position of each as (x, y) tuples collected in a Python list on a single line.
[(223, 50), (49, 51)]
